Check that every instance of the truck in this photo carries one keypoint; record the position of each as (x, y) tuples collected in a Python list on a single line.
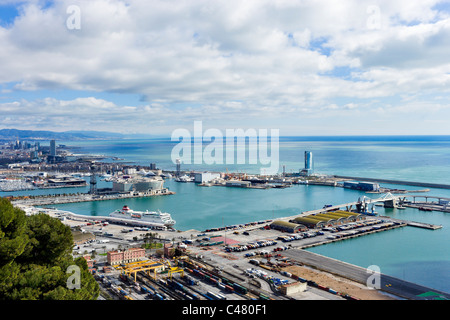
[(254, 261)]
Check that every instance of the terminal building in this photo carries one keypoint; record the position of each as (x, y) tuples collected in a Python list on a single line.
[(139, 184)]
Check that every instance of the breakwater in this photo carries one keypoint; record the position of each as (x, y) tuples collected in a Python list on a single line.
[(400, 182)]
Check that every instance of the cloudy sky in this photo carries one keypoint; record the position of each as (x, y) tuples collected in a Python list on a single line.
[(304, 67)]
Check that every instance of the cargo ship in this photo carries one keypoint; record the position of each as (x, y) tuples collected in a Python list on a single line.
[(158, 218)]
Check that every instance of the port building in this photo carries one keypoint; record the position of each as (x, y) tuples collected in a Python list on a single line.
[(287, 226)]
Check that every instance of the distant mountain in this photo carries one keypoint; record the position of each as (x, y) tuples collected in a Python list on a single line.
[(12, 134)]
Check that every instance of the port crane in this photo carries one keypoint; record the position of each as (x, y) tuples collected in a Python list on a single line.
[(172, 270), (150, 266), (146, 265)]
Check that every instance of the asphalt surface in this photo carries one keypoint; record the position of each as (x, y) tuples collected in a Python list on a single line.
[(392, 285)]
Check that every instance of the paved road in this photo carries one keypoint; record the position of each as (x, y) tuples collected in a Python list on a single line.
[(387, 283)]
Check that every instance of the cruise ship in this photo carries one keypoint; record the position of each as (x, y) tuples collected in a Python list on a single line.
[(158, 218)]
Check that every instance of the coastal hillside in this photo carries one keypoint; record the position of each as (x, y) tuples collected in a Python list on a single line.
[(12, 134)]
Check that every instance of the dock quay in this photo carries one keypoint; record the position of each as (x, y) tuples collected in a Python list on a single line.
[(60, 199), (127, 222)]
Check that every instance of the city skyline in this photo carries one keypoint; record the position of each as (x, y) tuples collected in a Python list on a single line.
[(304, 67)]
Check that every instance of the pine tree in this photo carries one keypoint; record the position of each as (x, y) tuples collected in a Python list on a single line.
[(35, 252)]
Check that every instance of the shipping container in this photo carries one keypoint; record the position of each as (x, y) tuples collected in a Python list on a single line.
[(240, 289), (229, 288), (332, 291)]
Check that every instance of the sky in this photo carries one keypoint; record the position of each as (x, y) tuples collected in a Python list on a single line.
[(377, 67)]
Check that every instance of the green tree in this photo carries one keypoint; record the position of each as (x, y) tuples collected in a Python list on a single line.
[(50, 240), (35, 253), (13, 238)]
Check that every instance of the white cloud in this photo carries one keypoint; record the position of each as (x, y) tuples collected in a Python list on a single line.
[(217, 59)]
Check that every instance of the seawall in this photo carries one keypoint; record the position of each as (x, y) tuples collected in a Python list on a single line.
[(401, 182)]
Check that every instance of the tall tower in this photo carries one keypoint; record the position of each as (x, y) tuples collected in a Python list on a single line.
[(308, 162), (93, 181), (178, 167), (52, 148)]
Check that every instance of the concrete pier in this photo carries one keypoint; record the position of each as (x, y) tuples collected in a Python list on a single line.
[(416, 224)]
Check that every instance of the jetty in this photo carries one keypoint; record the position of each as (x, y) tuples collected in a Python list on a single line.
[(416, 224)]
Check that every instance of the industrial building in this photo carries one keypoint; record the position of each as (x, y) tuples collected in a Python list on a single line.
[(310, 223), (364, 186), (350, 216), (287, 226), (238, 183), (332, 218), (293, 288)]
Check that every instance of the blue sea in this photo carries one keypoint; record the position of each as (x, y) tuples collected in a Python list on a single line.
[(413, 254), (413, 158)]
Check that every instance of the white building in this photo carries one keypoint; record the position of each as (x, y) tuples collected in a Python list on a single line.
[(204, 177)]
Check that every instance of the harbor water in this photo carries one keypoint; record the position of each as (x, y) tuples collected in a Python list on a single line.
[(413, 254)]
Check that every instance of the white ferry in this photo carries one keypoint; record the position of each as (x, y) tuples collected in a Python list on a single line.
[(157, 218)]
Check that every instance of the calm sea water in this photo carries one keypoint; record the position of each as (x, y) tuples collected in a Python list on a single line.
[(417, 255), (425, 159)]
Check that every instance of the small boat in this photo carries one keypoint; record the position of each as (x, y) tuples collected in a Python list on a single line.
[(401, 207)]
